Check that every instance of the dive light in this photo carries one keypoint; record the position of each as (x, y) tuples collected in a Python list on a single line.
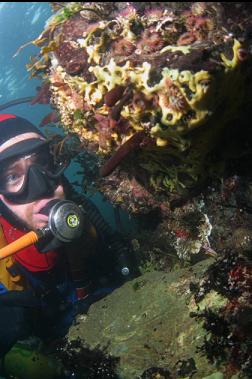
[(66, 222)]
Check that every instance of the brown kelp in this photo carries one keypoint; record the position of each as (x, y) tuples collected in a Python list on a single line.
[(178, 74)]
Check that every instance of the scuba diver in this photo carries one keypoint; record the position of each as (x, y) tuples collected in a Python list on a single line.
[(57, 254)]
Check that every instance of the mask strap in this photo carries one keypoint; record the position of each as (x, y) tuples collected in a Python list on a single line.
[(60, 171)]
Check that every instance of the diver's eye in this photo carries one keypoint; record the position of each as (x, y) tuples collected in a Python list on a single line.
[(13, 181), (13, 177)]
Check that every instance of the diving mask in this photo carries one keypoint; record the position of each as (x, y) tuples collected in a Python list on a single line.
[(29, 177)]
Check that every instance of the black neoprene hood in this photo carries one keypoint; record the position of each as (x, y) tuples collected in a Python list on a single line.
[(12, 126)]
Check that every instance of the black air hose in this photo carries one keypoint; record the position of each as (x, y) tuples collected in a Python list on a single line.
[(95, 217), (116, 243), (11, 103)]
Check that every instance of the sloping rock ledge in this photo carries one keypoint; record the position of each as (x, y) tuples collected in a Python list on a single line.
[(147, 323)]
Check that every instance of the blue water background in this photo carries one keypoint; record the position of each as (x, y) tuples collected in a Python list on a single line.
[(21, 22)]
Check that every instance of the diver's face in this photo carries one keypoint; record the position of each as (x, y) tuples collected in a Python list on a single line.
[(11, 180), (30, 213)]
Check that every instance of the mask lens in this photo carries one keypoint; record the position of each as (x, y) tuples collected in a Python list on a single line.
[(12, 176), (13, 173)]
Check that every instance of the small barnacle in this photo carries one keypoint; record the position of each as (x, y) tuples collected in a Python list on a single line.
[(122, 47), (173, 97), (176, 100), (205, 84), (150, 41), (190, 114)]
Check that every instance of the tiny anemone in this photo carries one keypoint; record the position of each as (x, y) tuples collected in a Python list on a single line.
[(173, 98), (150, 41), (153, 14), (186, 39), (199, 26), (140, 101), (128, 12), (122, 47), (202, 27), (199, 8)]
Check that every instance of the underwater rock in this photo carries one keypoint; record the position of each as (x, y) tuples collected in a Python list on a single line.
[(179, 73), (172, 320), (147, 324), (189, 322)]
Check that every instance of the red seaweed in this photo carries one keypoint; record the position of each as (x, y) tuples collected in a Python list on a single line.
[(116, 110), (73, 59), (150, 41), (122, 47), (130, 145), (104, 128), (113, 95), (43, 95), (49, 118)]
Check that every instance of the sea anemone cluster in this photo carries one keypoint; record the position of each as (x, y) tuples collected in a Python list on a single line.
[(137, 82)]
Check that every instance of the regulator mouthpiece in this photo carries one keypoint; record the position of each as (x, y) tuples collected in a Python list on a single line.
[(66, 221)]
